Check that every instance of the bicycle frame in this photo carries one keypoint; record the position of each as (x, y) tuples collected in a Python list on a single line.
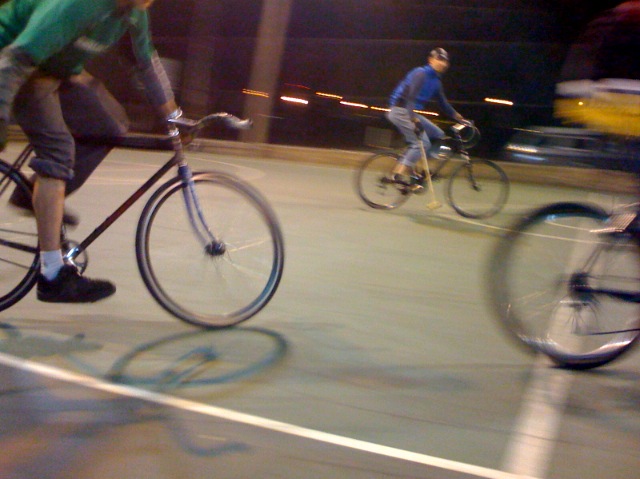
[(200, 227), (579, 281), (102, 227), (457, 149), (190, 196)]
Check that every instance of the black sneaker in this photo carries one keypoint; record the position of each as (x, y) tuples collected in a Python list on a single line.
[(21, 201), (416, 184), (398, 179), (70, 287)]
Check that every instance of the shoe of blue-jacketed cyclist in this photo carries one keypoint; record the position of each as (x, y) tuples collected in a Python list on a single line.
[(416, 184), (398, 179)]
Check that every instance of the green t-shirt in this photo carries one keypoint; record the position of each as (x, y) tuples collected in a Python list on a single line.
[(60, 36)]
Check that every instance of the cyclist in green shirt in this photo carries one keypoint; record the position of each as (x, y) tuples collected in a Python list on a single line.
[(45, 44)]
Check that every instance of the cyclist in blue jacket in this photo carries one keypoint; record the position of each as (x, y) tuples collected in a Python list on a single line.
[(419, 86)]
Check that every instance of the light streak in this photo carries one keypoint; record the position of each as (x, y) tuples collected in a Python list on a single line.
[(501, 102)]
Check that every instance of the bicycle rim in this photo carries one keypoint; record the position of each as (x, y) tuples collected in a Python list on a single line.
[(210, 290), (533, 268), (478, 189), (370, 184), (19, 258)]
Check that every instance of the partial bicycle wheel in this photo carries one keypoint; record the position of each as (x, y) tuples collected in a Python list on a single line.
[(478, 189), (371, 184), (212, 285), (543, 274), (19, 259)]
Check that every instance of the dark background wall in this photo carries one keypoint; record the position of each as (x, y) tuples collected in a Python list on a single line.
[(359, 49)]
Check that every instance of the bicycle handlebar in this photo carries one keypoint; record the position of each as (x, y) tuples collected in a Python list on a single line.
[(471, 137), (230, 121)]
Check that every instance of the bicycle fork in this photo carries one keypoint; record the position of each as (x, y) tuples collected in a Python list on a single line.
[(212, 246), (470, 176)]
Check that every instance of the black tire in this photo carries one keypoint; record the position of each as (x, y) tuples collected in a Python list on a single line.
[(534, 271), (19, 258), (370, 184), (478, 189), (210, 289)]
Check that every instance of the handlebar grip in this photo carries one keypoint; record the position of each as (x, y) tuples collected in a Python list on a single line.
[(184, 122), (238, 124), (230, 120)]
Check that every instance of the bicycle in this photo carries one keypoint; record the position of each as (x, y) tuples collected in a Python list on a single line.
[(197, 228), (477, 188), (565, 282)]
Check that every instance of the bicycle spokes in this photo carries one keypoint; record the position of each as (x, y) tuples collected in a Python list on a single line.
[(202, 278), (565, 289)]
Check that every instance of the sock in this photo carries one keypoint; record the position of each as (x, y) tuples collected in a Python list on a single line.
[(50, 263)]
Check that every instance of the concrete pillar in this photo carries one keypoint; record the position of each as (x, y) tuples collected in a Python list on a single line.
[(265, 70)]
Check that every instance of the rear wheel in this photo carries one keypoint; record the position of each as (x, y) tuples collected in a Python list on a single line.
[(19, 257), (372, 185)]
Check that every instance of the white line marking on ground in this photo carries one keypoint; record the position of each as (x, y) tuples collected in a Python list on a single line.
[(532, 443), (531, 446), (250, 420)]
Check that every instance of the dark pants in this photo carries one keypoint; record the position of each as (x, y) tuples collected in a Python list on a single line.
[(50, 111)]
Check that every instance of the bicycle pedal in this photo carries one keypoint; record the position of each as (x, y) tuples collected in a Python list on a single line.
[(618, 223)]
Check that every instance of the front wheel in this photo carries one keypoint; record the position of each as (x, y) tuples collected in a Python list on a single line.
[(478, 189), (214, 283), (547, 277), (372, 185)]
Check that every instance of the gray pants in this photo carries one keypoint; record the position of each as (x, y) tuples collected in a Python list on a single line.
[(401, 119), (50, 111)]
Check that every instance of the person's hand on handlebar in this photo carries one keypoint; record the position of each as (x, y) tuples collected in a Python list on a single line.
[(188, 128), (460, 119)]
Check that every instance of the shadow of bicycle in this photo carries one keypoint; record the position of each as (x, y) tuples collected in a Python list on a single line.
[(175, 361), (187, 359), (200, 358)]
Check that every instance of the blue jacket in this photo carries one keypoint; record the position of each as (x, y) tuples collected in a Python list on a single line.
[(421, 85)]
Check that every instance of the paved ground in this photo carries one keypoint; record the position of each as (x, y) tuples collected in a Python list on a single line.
[(377, 358)]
